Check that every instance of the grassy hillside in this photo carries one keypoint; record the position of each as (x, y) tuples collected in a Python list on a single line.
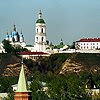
[(10, 65), (56, 63), (81, 61)]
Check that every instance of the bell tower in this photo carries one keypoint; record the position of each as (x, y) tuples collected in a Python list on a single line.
[(40, 34)]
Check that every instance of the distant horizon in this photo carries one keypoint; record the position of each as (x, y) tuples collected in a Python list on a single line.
[(68, 20)]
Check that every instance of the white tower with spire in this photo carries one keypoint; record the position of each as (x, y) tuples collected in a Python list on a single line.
[(40, 34)]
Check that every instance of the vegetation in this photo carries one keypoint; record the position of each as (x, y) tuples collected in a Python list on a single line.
[(13, 49), (69, 86)]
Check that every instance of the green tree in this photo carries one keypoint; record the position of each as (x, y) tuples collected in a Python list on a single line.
[(7, 46), (36, 87)]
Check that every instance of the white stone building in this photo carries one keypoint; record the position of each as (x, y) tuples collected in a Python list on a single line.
[(88, 44)]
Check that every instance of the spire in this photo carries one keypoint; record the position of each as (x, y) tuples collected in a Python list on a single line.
[(61, 42), (40, 19), (21, 32), (40, 15), (22, 84), (7, 33), (14, 28)]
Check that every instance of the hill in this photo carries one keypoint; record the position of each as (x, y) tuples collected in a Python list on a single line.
[(10, 65), (56, 64), (78, 62)]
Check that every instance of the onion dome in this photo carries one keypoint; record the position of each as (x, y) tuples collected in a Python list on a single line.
[(40, 20), (10, 36), (7, 36), (14, 33), (21, 35)]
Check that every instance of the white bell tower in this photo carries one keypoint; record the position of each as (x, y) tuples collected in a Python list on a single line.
[(40, 34)]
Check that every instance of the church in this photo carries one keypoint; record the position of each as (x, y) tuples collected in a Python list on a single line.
[(15, 38), (40, 43)]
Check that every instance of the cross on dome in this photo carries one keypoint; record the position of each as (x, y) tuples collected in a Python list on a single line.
[(40, 15)]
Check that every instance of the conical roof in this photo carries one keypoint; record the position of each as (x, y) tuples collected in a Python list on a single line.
[(22, 84)]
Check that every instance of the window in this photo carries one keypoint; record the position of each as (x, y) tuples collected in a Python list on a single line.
[(36, 38), (42, 38), (42, 30), (37, 30)]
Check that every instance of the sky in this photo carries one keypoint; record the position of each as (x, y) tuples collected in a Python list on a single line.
[(68, 20)]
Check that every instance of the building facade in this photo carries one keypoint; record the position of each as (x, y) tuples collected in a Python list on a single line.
[(88, 44)]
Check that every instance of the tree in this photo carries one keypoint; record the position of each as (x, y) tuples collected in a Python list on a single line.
[(7, 46), (36, 88), (72, 46)]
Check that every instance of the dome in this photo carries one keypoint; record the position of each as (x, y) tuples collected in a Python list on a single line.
[(21, 35), (7, 36), (14, 33), (40, 21), (10, 35)]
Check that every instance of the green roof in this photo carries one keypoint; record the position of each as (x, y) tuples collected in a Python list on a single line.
[(29, 45), (22, 84), (40, 21)]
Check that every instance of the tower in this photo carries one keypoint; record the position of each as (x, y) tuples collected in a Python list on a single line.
[(21, 37), (7, 36), (40, 34), (10, 37), (22, 92), (15, 34)]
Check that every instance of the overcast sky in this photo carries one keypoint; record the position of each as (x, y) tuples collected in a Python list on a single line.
[(66, 19)]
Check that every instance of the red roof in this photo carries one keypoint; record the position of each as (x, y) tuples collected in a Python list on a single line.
[(32, 53), (89, 40)]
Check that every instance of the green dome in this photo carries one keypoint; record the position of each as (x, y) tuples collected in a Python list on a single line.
[(40, 21)]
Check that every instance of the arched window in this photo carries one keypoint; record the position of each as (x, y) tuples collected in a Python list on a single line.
[(42, 30), (42, 38), (36, 38), (37, 30)]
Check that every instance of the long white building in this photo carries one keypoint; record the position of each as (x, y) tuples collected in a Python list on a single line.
[(88, 44)]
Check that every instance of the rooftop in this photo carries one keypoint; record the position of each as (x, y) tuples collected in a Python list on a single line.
[(32, 53), (89, 40)]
